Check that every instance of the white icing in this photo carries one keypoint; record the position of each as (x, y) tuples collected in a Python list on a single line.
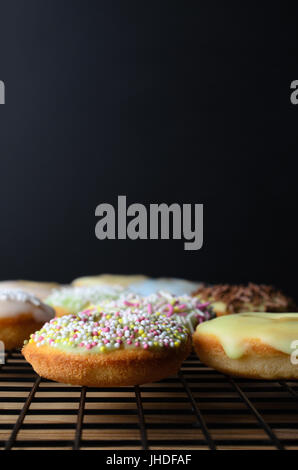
[(14, 302)]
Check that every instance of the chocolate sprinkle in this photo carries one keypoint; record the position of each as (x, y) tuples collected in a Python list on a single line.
[(235, 296)]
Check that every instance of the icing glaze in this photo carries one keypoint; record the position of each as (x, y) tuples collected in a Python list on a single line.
[(14, 302), (109, 279), (277, 330), (172, 285), (96, 332)]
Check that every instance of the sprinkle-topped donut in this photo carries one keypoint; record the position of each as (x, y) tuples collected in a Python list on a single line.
[(187, 310), (91, 330), (74, 299), (96, 348)]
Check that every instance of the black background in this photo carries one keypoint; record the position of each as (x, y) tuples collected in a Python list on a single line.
[(162, 102)]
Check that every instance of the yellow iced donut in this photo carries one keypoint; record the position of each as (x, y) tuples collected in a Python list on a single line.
[(253, 345), (114, 279)]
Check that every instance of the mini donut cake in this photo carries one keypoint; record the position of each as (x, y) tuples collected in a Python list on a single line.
[(99, 349), (172, 285), (20, 315), (108, 279), (70, 300), (250, 345), (226, 299), (38, 289), (187, 310)]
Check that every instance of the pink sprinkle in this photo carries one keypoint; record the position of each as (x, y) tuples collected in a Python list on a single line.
[(170, 310), (75, 336), (119, 341), (131, 304), (201, 306), (51, 341), (146, 346), (137, 344), (81, 345), (87, 311), (149, 309), (105, 341), (181, 307), (129, 341), (94, 343), (126, 328), (40, 338), (88, 346), (107, 329)]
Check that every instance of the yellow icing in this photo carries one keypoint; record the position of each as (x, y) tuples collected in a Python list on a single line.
[(110, 279), (277, 330), (219, 307)]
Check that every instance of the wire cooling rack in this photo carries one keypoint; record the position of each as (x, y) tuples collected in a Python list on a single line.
[(197, 409)]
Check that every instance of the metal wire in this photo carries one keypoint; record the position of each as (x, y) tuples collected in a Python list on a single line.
[(77, 440), (198, 413), (22, 415), (289, 389), (263, 424), (141, 418)]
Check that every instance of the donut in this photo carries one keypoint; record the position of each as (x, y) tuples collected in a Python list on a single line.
[(20, 315), (226, 299), (250, 345), (70, 300), (38, 289), (172, 285), (99, 349), (185, 309), (108, 279)]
